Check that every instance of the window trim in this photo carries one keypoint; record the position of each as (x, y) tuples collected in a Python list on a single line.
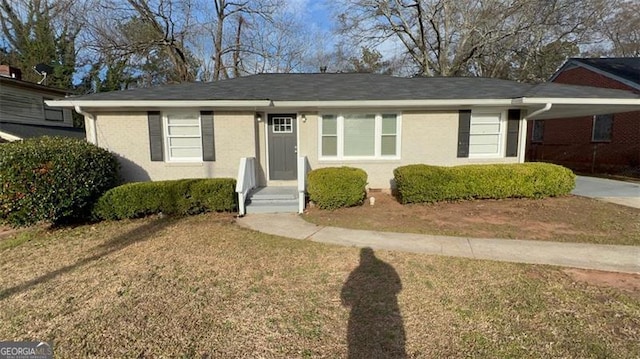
[(339, 115), (502, 133), (593, 129), (166, 137)]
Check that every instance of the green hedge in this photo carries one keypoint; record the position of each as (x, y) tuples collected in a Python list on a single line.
[(52, 179), (335, 187), (181, 197), (423, 183)]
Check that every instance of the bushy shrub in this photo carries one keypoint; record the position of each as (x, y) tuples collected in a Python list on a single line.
[(52, 179), (423, 183), (181, 197), (335, 187)]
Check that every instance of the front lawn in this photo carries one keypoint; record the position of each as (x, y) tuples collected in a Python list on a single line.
[(561, 219), (204, 287)]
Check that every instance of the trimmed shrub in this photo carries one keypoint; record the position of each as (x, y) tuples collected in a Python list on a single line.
[(52, 179), (423, 183), (335, 187), (181, 197)]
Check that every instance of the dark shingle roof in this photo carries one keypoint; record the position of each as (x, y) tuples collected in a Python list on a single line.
[(627, 68), (352, 86), (27, 130)]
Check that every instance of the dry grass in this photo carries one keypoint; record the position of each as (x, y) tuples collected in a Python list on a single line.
[(563, 219), (204, 287)]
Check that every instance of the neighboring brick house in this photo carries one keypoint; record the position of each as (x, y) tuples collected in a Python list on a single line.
[(604, 142)]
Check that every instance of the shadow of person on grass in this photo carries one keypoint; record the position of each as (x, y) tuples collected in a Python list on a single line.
[(375, 329)]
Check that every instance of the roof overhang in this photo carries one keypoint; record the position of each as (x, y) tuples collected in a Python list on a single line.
[(561, 107), (152, 104)]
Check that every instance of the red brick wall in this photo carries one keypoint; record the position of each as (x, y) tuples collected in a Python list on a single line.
[(568, 141)]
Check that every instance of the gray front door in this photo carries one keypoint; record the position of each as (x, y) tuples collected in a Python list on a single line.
[(283, 143)]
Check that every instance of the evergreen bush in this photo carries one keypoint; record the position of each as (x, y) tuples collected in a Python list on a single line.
[(335, 187), (423, 183), (52, 179)]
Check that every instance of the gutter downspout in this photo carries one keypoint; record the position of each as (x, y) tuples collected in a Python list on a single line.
[(523, 134), (89, 125)]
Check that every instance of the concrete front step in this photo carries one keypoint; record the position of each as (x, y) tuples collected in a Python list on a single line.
[(270, 207), (273, 200)]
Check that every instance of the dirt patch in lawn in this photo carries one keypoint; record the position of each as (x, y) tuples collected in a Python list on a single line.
[(565, 219), (627, 282)]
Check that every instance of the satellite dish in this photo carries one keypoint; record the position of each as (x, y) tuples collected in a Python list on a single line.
[(43, 70)]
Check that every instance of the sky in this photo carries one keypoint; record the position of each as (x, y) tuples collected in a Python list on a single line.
[(316, 12)]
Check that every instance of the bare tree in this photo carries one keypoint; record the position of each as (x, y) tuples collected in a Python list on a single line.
[(622, 29), (151, 37), (477, 37)]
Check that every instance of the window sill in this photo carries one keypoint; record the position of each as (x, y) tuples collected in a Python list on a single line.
[(482, 157), (185, 164), (600, 141), (359, 160)]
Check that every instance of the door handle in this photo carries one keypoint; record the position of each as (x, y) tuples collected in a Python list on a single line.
[(295, 149)]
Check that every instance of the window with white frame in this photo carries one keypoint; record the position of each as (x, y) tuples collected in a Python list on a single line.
[(282, 125), (183, 136), (359, 135), (485, 136)]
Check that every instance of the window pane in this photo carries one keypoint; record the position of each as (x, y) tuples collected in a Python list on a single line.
[(483, 139), (184, 130), (183, 119), (485, 118), (485, 128), (483, 144), (185, 152), (388, 124), (329, 125), (359, 133), (329, 145), (602, 125), (483, 149), (538, 131), (388, 146), (53, 114), (184, 142)]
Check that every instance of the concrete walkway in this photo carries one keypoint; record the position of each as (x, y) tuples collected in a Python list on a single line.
[(590, 256), (619, 192)]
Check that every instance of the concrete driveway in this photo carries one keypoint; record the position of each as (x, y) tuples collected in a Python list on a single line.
[(619, 192)]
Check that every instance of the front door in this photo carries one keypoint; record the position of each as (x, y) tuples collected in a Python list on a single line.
[(283, 147)]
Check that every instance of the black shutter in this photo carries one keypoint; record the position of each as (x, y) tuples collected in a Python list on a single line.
[(155, 135), (513, 129), (464, 128), (208, 145)]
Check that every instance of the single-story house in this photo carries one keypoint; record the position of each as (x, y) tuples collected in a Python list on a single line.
[(269, 129), (607, 142), (24, 114)]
